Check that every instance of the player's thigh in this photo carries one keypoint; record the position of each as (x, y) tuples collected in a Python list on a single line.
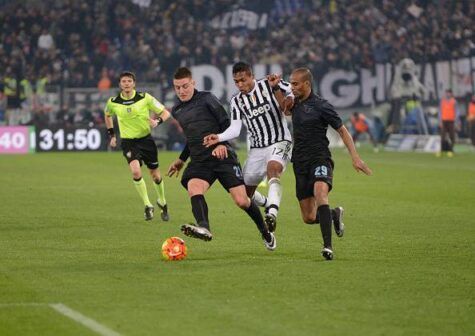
[(229, 175), (197, 171), (277, 157), (303, 186), (255, 166), (321, 170)]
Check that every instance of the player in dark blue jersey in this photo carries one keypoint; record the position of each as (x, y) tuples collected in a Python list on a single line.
[(313, 165), (200, 113)]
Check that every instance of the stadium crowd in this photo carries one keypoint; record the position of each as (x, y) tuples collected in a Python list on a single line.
[(79, 43)]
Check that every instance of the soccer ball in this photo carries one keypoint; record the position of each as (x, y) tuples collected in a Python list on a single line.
[(174, 248)]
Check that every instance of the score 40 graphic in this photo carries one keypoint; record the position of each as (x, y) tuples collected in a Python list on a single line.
[(28, 139)]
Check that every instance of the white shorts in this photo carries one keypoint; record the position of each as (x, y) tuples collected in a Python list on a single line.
[(255, 168)]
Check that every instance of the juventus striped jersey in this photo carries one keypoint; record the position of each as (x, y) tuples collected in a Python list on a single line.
[(260, 112)]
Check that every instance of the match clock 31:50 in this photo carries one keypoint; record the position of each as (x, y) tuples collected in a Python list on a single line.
[(71, 139)]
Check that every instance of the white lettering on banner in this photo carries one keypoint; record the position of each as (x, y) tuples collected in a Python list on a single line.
[(429, 83), (462, 84), (210, 78), (442, 70), (353, 88), (240, 18), (346, 94), (201, 72), (370, 83)]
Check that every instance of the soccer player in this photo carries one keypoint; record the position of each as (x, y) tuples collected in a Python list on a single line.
[(200, 114), (258, 105), (133, 109), (313, 165)]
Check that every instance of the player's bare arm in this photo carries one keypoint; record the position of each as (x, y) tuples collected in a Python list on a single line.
[(358, 164), (110, 129), (175, 167)]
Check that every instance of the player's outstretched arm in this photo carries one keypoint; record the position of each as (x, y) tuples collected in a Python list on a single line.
[(231, 132), (358, 164)]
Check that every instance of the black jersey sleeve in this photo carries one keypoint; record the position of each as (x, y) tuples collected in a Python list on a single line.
[(330, 115), (185, 153), (218, 112)]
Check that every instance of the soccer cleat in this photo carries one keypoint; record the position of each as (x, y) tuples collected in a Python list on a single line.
[(163, 212), (148, 212), (337, 216), (327, 253), (196, 232), (272, 244), (271, 222)]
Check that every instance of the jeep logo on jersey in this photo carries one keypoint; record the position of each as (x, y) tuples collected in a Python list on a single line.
[(258, 111)]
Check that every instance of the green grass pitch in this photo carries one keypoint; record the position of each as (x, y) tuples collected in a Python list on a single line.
[(72, 232)]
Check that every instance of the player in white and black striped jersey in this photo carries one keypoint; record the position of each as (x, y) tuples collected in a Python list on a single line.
[(259, 105)]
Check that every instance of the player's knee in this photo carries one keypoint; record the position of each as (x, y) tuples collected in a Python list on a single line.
[(242, 201), (136, 174), (308, 218)]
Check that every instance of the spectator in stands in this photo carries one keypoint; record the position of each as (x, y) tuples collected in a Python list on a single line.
[(105, 82)]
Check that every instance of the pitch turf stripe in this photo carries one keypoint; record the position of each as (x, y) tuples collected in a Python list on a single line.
[(84, 320)]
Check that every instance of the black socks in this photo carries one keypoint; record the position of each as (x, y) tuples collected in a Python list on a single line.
[(325, 218), (200, 210), (254, 212)]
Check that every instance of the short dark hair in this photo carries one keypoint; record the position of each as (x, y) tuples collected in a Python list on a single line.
[(182, 72), (306, 73), (242, 67), (127, 74)]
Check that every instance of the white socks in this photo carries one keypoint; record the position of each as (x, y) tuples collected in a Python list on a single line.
[(274, 196)]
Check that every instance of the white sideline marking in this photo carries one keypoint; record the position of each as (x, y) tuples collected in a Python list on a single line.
[(21, 304), (84, 320), (68, 312)]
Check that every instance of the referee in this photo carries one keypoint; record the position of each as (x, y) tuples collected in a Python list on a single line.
[(132, 109), (313, 165), (200, 114)]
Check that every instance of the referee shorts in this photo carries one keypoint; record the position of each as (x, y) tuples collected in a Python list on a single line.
[(142, 149)]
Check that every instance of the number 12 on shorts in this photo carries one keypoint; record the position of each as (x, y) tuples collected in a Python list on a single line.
[(321, 171)]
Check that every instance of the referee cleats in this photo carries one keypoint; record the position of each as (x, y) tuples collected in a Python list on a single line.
[(327, 253), (196, 232), (163, 212), (148, 212), (271, 222), (272, 244), (337, 215)]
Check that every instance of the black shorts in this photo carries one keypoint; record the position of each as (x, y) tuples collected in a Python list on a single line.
[(143, 149), (229, 174), (307, 174)]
